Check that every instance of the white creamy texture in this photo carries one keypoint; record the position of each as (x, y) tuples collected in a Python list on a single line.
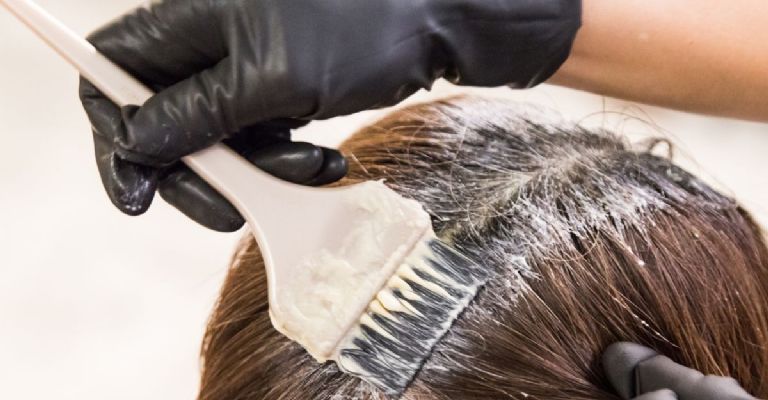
[(337, 285)]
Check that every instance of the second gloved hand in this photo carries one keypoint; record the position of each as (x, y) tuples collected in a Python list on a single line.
[(636, 370)]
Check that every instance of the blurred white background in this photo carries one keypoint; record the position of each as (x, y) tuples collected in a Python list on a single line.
[(94, 304)]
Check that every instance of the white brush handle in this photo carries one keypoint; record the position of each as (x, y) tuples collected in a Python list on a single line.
[(218, 164)]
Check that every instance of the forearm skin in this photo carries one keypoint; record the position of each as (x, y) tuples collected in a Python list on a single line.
[(704, 56)]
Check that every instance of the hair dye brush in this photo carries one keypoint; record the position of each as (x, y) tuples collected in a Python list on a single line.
[(356, 274)]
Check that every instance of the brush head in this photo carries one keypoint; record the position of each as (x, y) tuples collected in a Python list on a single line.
[(366, 283), (410, 315), (348, 247)]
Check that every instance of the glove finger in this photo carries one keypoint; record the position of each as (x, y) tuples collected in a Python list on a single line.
[(257, 137), (163, 43), (664, 394), (182, 119), (104, 115), (130, 187), (296, 162), (253, 142), (182, 188), (334, 168), (619, 362), (660, 372), (196, 113)]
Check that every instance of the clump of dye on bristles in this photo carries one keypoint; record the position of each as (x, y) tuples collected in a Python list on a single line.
[(410, 315)]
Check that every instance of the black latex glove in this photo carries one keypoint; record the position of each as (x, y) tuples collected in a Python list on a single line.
[(223, 68), (131, 186), (635, 370)]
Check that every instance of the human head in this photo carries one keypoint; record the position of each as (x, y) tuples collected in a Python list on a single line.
[(589, 241)]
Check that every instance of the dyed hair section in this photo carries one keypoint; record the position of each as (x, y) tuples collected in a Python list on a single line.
[(589, 241)]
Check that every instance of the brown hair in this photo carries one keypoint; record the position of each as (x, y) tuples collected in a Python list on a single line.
[(590, 242)]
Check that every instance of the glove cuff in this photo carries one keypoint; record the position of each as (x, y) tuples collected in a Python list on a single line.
[(506, 42)]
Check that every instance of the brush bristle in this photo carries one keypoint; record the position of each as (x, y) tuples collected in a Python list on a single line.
[(410, 315)]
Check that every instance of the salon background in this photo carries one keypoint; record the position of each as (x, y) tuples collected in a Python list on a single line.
[(95, 305)]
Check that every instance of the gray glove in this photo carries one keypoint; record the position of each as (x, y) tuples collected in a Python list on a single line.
[(635, 370), (226, 68)]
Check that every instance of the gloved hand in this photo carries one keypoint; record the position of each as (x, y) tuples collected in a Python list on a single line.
[(224, 68), (636, 370)]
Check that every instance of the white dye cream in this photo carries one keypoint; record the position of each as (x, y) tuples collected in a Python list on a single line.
[(334, 286)]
